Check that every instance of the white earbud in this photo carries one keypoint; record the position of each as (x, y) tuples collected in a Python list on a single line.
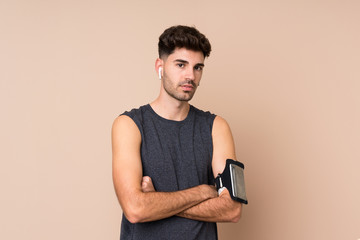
[(160, 69)]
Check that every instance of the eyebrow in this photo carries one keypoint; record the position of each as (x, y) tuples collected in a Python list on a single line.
[(184, 61)]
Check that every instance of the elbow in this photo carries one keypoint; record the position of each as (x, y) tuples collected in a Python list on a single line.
[(131, 216), (134, 216), (135, 212), (235, 219), (236, 213)]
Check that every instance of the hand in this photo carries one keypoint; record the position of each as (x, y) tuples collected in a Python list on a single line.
[(208, 191), (224, 193), (147, 185)]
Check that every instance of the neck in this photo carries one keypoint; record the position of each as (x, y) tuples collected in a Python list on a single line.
[(171, 109)]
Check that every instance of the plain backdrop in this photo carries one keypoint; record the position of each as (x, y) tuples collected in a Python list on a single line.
[(285, 75)]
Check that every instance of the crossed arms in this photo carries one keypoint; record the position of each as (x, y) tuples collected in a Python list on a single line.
[(137, 196)]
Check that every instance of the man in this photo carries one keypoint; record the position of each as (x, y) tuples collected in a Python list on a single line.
[(166, 154)]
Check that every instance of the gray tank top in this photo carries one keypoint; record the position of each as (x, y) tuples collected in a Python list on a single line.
[(176, 155)]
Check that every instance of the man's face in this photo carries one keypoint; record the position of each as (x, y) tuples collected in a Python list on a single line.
[(182, 72)]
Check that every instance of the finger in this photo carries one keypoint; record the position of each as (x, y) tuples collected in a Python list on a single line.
[(146, 179)]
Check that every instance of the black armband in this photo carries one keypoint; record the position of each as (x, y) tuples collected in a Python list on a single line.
[(233, 179)]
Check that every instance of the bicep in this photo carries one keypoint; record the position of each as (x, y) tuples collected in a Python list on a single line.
[(126, 162), (223, 145), (224, 148)]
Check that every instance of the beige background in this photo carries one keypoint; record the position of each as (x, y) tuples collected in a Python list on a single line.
[(285, 74)]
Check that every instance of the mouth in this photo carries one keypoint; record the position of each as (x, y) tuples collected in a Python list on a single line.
[(187, 87)]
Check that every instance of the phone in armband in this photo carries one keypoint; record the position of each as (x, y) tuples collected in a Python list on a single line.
[(233, 179)]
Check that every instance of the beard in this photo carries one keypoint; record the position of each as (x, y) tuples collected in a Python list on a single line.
[(173, 91)]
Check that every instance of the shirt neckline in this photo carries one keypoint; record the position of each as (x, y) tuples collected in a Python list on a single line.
[(187, 118)]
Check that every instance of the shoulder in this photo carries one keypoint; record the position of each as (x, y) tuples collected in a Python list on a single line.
[(129, 122), (220, 123), (136, 112), (201, 112), (122, 120), (224, 146), (206, 116), (123, 124), (124, 134), (221, 129)]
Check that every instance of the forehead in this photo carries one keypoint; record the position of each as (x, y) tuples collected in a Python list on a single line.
[(190, 56)]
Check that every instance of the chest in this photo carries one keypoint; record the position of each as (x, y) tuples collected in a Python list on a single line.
[(176, 157)]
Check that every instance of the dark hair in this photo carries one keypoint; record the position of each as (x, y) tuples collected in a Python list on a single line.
[(183, 36)]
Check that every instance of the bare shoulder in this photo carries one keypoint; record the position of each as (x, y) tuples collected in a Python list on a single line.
[(123, 121), (220, 126), (125, 131), (124, 124), (126, 141), (223, 144)]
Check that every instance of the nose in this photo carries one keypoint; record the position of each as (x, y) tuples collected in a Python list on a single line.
[(190, 74)]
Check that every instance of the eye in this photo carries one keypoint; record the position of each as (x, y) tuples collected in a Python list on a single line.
[(180, 65), (198, 68)]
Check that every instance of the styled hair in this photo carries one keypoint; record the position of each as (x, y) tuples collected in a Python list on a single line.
[(183, 37)]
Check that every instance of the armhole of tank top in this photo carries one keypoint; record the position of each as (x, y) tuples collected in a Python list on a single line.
[(212, 123), (212, 141)]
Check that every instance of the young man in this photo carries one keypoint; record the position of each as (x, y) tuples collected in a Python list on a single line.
[(166, 154)]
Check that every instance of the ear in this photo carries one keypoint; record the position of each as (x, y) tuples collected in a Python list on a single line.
[(159, 64)]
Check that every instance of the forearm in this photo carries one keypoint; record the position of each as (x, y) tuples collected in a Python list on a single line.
[(220, 209), (152, 206)]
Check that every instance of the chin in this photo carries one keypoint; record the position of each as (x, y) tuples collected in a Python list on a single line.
[(186, 99)]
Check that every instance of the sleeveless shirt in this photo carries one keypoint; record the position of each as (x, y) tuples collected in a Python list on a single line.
[(176, 155)]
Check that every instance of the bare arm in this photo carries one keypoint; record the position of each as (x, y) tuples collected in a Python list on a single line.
[(137, 205), (222, 208)]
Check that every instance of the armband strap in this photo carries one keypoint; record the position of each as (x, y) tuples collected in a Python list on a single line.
[(233, 179)]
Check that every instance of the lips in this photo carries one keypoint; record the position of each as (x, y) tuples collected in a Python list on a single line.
[(187, 87)]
